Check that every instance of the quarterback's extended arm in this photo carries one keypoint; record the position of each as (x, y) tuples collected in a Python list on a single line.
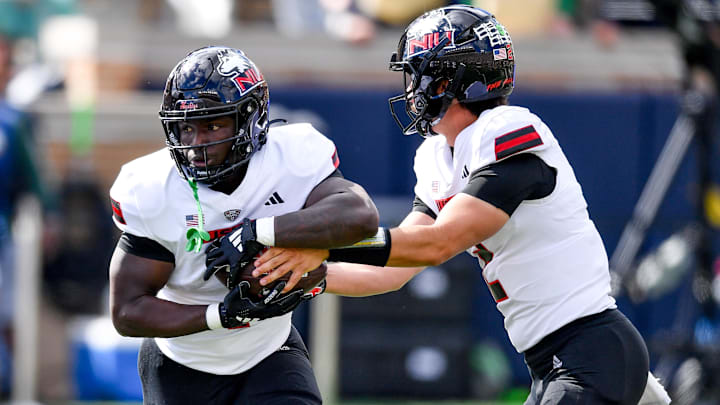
[(349, 279), (463, 222)]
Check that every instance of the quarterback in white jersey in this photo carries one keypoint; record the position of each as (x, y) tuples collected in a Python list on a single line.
[(492, 180), (223, 166), (546, 266)]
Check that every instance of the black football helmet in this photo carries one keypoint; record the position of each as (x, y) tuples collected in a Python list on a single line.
[(214, 82), (466, 46)]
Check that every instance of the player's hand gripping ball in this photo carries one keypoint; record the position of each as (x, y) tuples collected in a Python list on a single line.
[(230, 253), (309, 280)]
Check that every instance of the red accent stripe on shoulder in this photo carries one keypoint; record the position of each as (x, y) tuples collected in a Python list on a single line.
[(516, 141), (117, 211), (335, 159)]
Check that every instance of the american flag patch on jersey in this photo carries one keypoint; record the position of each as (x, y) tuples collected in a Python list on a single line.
[(516, 141), (192, 220), (435, 186)]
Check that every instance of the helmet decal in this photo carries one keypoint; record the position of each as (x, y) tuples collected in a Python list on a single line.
[(426, 33), (494, 32), (243, 72), (187, 105)]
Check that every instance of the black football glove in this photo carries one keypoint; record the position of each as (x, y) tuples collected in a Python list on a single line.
[(317, 290), (237, 309), (232, 252)]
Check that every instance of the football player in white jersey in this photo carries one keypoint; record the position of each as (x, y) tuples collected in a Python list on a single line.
[(492, 180), (223, 164)]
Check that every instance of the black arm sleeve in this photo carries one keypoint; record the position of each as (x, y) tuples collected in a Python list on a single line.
[(144, 247), (420, 206), (507, 183)]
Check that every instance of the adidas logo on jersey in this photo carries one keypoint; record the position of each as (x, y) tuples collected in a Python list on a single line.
[(465, 172), (274, 199)]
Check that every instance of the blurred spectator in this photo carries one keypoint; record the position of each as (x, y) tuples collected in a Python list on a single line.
[(396, 13), (22, 18), (527, 18), (20, 175), (203, 18), (572, 15), (697, 24), (337, 18), (352, 21), (74, 272), (74, 276)]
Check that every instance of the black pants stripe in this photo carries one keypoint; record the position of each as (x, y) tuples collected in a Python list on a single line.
[(284, 377), (599, 359)]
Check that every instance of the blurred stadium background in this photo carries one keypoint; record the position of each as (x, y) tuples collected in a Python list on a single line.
[(606, 75)]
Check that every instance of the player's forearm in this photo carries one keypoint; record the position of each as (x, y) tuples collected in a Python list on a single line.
[(358, 280), (337, 220), (153, 317), (406, 246), (420, 245)]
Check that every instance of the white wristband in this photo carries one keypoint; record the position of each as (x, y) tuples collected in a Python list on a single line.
[(265, 231), (212, 316)]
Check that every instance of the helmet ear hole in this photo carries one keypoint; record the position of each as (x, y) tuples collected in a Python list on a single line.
[(250, 106)]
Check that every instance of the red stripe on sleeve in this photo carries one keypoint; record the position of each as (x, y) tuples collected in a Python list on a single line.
[(517, 141), (117, 211), (335, 159)]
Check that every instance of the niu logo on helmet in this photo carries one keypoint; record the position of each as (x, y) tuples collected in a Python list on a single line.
[(427, 41), (243, 72), (427, 33)]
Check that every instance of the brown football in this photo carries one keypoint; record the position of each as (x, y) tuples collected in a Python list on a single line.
[(307, 282)]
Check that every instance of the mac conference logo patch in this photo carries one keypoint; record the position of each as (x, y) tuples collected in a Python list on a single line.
[(231, 215)]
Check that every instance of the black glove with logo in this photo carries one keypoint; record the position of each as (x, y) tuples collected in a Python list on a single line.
[(238, 309), (317, 290), (232, 252)]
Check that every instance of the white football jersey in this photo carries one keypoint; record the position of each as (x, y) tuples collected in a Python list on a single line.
[(152, 200), (547, 266)]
